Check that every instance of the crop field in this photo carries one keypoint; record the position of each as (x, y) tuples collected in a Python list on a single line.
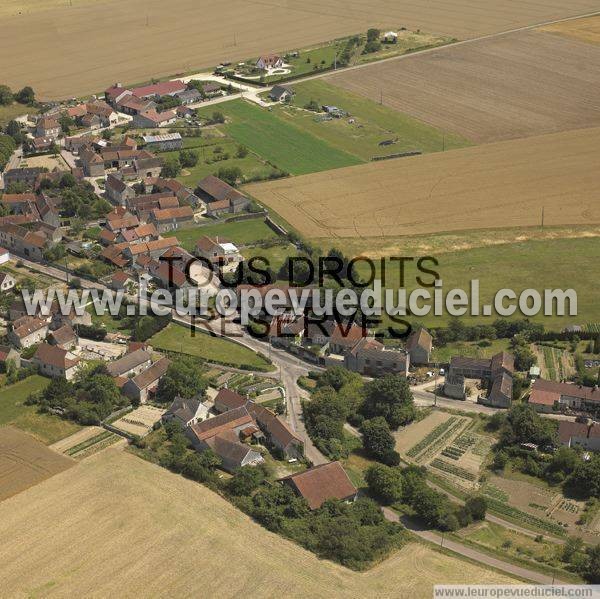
[(370, 129), (465, 189), (13, 410), (178, 339), (585, 30), (286, 146), (24, 462), (153, 530), (38, 41), (140, 421), (458, 88)]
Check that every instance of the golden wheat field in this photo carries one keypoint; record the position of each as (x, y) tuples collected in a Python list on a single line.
[(499, 185), (24, 461), (491, 89), (66, 48), (116, 525), (584, 30)]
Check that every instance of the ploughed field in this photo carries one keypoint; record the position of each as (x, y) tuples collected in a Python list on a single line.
[(71, 48), (119, 525), (518, 85), (499, 185)]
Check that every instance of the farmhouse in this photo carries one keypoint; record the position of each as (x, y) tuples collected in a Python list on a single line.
[(189, 96), (103, 111), (27, 331), (23, 242), (47, 127), (152, 118), (371, 358), (171, 219), (132, 105), (578, 434), (117, 191), (27, 176), (220, 197), (419, 345), (55, 362), (64, 337), (549, 396), (7, 281), (142, 386), (130, 364), (159, 90), (217, 250), (318, 484), (9, 354), (186, 411)]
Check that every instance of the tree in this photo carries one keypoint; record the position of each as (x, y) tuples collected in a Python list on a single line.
[(377, 439), (66, 122), (171, 168), (241, 152), (585, 479), (385, 483), (25, 96), (524, 357), (372, 34), (337, 377), (188, 158), (217, 117), (230, 174), (15, 131), (245, 480), (391, 398), (182, 379), (313, 105), (476, 507), (591, 568), (6, 95)]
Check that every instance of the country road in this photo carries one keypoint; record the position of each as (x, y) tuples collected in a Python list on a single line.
[(468, 552)]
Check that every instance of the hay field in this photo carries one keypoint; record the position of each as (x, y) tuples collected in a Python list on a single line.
[(493, 89), (71, 48), (116, 525), (584, 30), (498, 185), (24, 462), (140, 421)]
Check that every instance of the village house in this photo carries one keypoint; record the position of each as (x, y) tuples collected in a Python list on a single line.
[(120, 281), (184, 194), (318, 484), (171, 219), (132, 105), (7, 282), (269, 61), (579, 434), (104, 112), (154, 249), (345, 336), (91, 122), (281, 93), (47, 127), (48, 209), (152, 118), (189, 96), (550, 396), (27, 176), (64, 337), (19, 203), (130, 364), (27, 331), (144, 385), (217, 250), (159, 90), (91, 162), (117, 191), (23, 242), (55, 362), (9, 354), (186, 412), (419, 345), (369, 357)]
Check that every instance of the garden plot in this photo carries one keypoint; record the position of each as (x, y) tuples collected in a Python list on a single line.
[(422, 441), (82, 436), (140, 421)]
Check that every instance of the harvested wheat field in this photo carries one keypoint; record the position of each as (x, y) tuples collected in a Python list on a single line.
[(25, 462), (584, 30), (79, 47), (493, 89), (504, 184), (116, 525)]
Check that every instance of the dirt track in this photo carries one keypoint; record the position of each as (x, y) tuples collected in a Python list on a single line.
[(504, 184), (79, 47), (518, 85)]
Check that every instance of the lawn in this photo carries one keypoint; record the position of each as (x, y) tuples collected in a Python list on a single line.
[(46, 427), (211, 151), (471, 349), (547, 264), (282, 143), (9, 113), (275, 255), (241, 232), (213, 349), (372, 124)]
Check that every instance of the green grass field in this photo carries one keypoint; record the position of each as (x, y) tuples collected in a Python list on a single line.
[(251, 165), (176, 338), (283, 144), (550, 264), (238, 232), (276, 255), (471, 349), (46, 427), (373, 123), (8, 113)]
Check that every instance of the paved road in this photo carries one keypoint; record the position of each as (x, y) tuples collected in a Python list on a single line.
[(466, 551)]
